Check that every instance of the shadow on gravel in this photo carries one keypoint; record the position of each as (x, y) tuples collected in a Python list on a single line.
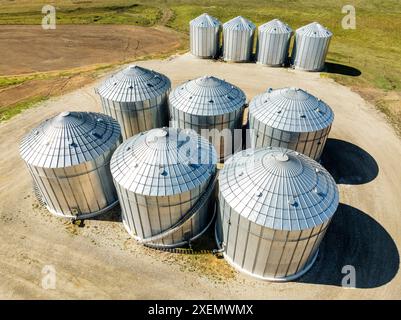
[(348, 163), (354, 238)]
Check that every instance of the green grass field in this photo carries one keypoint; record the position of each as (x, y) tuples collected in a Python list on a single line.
[(373, 48)]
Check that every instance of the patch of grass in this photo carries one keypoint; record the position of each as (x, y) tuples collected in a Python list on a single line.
[(11, 81), (393, 116), (12, 110)]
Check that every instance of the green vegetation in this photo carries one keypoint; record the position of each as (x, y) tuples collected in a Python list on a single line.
[(373, 48), (17, 108)]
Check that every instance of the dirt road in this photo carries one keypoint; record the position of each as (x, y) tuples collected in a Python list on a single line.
[(99, 260)]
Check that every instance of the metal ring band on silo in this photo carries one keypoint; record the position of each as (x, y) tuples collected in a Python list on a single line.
[(186, 217)]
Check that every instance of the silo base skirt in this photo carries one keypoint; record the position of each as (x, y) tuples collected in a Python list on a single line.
[(272, 279), (237, 61), (83, 216), (308, 70), (270, 65), (202, 57), (173, 245)]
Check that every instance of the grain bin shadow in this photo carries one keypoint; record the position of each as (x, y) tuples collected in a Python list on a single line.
[(113, 215), (354, 238), (348, 163), (337, 68)]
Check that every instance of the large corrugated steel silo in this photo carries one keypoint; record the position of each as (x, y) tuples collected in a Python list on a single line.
[(137, 98), (273, 43), (275, 207), (238, 36), (290, 118), (310, 47), (165, 179), (213, 108), (68, 157), (204, 36)]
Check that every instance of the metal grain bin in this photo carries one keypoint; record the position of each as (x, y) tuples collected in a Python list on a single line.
[(238, 35), (204, 36), (273, 43), (310, 47), (68, 158), (213, 108), (275, 206), (137, 98), (290, 118), (165, 180)]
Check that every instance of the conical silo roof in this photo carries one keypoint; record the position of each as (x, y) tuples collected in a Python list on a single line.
[(70, 138), (314, 29), (207, 96), (279, 189), (275, 26), (291, 109), (163, 162), (134, 84), (205, 21), (239, 23)]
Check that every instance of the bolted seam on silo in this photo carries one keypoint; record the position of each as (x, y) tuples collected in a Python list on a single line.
[(310, 47), (212, 107), (205, 36), (273, 43), (238, 36), (68, 158), (160, 175), (137, 98), (274, 208), (290, 118)]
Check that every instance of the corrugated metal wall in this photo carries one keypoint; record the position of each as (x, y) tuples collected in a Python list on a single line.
[(266, 253), (308, 143)]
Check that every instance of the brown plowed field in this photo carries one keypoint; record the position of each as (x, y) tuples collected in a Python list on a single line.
[(28, 49), (68, 57)]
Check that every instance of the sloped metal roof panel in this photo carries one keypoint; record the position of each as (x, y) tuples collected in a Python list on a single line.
[(205, 21), (207, 96), (275, 26), (291, 109), (315, 30), (279, 189), (239, 23), (134, 84), (70, 138), (163, 162)]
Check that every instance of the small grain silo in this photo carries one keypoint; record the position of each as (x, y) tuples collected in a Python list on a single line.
[(290, 118), (273, 43), (137, 98), (204, 36), (275, 206), (213, 108), (68, 157), (238, 37), (310, 47), (165, 180)]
